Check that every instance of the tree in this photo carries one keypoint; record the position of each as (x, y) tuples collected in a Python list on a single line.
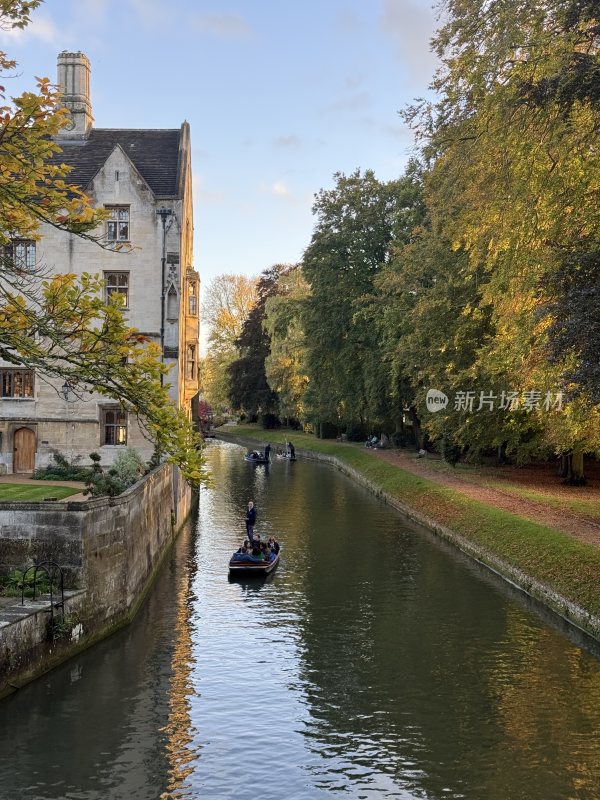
[(250, 389), (58, 324), (284, 365), (349, 247), (512, 142), (229, 300)]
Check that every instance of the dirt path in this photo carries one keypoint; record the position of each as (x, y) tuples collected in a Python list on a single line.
[(572, 522)]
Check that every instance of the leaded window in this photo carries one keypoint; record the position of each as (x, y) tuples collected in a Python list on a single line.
[(117, 226), (16, 383), (20, 255), (117, 283), (114, 426), (192, 298)]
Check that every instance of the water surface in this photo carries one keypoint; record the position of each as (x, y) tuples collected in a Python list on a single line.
[(375, 662)]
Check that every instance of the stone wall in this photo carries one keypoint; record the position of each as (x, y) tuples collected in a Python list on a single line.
[(111, 548)]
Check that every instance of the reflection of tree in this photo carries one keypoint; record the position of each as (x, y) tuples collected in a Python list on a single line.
[(179, 730), (421, 675)]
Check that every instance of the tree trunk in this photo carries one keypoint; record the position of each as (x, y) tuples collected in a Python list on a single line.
[(563, 465), (575, 471), (501, 454), (416, 426)]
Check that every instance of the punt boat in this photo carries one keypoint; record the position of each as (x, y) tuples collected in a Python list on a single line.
[(248, 565)]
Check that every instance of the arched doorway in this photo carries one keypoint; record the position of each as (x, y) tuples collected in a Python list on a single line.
[(24, 450)]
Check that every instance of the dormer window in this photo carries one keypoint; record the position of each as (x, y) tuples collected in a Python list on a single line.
[(117, 226)]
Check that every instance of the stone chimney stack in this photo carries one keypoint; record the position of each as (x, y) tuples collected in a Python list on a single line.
[(74, 83)]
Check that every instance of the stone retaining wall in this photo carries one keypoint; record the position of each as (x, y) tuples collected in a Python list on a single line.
[(110, 547)]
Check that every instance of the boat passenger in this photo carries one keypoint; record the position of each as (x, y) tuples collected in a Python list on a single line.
[(258, 554), (275, 546)]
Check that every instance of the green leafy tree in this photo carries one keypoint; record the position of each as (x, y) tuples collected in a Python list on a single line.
[(284, 365), (348, 248), (250, 390), (512, 141)]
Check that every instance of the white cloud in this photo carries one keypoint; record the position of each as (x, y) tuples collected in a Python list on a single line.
[(225, 26), (152, 13), (410, 24), (41, 27), (280, 189), (288, 141), (92, 10), (277, 189)]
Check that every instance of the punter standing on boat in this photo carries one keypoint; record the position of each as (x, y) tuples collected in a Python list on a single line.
[(268, 451), (250, 520)]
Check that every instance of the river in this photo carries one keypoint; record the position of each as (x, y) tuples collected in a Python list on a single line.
[(375, 662)]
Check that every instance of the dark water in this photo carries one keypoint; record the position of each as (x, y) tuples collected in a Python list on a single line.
[(373, 663)]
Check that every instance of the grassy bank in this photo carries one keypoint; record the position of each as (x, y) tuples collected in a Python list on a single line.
[(24, 491), (556, 559)]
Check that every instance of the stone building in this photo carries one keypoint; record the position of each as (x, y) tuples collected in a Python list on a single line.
[(143, 177)]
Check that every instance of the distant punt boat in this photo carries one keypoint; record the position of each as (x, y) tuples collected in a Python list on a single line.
[(256, 458), (248, 565)]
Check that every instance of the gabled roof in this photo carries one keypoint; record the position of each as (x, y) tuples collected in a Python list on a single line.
[(155, 154)]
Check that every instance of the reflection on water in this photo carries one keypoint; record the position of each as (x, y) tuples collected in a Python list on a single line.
[(374, 662)]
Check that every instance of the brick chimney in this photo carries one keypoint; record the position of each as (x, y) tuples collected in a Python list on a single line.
[(74, 83)]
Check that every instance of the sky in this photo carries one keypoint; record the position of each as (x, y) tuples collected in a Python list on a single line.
[(279, 94)]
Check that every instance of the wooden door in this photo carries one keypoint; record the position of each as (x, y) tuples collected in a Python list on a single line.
[(24, 450)]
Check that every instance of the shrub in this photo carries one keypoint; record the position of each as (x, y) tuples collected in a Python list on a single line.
[(129, 466), (13, 584), (451, 452), (61, 469), (127, 469)]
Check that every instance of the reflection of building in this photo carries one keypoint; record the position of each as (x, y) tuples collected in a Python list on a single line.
[(143, 177)]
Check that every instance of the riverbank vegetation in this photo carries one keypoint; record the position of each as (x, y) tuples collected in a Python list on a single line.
[(458, 306), (556, 559), (27, 492)]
